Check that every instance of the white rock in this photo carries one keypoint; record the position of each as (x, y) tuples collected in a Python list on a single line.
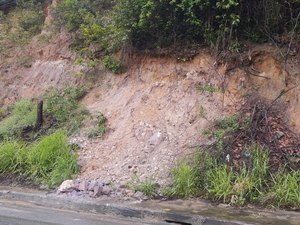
[(66, 186)]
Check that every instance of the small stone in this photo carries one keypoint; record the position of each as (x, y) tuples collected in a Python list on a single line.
[(92, 185), (97, 191), (156, 139), (83, 186), (138, 195), (123, 185), (66, 186), (106, 190), (279, 134)]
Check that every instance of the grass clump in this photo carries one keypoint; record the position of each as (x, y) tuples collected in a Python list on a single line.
[(49, 161), (12, 157), (22, 115), (185, 180), (147, 187), (100, 129), (285, 191)]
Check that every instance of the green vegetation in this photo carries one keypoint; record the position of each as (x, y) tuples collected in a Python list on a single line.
[(20, 25), (23, 114), (49, 161), (100, 129), (151, 25), (210, 175), (207, 88), (63, 105), (112, 64), (147, 187), (184, 180)]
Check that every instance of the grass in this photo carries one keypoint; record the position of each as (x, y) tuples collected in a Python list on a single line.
[(23, 114), (48, 161), (148, 186), (208, 175), (185, 180), (286, 189)]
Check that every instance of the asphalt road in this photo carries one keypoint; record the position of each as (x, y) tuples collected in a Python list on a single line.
[(23, 214)]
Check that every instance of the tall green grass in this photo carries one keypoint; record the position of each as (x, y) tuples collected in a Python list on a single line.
[(208, 176), (49, 161)]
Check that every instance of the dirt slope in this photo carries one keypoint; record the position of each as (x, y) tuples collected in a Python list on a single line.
[(156, 114)]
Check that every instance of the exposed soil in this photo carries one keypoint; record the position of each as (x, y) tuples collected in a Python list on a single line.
[(156, 115)]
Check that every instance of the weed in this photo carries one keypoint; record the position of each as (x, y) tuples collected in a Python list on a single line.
[(202, 112), (219, 182), (12, 157), (207, 88), (285, 190), (228, 123), (49, 161)]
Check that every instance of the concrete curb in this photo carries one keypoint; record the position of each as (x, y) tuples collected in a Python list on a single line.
[(110, 208)]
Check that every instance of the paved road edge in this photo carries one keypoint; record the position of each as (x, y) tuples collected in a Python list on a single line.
[(124, 210)]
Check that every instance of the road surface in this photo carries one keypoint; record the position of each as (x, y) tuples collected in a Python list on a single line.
[(12, 213)]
